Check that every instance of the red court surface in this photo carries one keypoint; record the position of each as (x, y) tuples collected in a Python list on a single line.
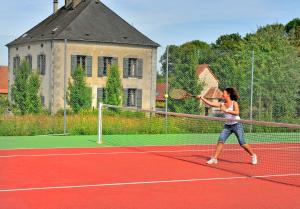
[(150, 177)]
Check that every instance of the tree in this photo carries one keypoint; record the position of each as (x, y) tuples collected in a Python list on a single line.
[(79, 95), (3, 103), (195, 46), (277, 75), (33, 101), (185, 78), (276, 72), (172, 59), (25, 90), (113, 87), (19, 87), (228, 42), (292, 25), (233, 69), (292, 28)]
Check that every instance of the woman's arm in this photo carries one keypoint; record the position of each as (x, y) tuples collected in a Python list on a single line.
[(213, 104)]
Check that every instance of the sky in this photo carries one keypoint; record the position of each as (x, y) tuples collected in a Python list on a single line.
[(165, 22)]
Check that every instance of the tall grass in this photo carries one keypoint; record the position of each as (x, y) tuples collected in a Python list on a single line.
[(114, 122)]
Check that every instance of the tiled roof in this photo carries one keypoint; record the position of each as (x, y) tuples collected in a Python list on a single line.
[(3, 80), (90, 21), (160, 91), (202, 67)]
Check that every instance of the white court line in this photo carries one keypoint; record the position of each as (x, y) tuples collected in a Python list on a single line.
[(141, 152), (146, 182)]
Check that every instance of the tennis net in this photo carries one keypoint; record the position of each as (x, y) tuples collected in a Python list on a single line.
[(192, 138)]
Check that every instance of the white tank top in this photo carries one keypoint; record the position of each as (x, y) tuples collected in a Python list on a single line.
[(230, 116)]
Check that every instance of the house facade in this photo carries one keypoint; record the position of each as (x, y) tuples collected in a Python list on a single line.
[(89, 34), (211, 89)]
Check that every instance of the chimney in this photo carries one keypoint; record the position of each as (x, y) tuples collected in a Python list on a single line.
[(71, 4), (55, 6)]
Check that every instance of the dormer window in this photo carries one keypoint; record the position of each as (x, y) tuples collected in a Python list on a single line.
[(54, 30)]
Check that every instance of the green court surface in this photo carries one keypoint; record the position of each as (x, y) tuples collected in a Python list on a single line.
[(50, 141)]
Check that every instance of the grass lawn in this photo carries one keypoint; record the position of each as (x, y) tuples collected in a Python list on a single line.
[(50, 141)]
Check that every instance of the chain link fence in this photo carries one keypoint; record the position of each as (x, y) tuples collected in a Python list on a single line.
[(268, 86)]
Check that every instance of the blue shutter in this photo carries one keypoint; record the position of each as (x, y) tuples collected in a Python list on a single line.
[(43, 100), (73, 63), (89, 68), (30, 62), (100, 94), (125, 67), (43, 64), (14, 65), (140, 68), (125, 97), (139, 98), (101, 66), (38, 64)]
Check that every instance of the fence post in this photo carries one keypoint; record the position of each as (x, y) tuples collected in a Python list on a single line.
[(100, 123), (65, 89), (251, 96), (167, 91)]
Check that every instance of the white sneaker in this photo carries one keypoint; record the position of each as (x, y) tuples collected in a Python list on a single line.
[(254, 159), (212, 161)]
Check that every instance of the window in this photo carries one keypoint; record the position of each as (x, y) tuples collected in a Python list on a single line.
[(16, 64), (132, 68), (107, 64), (101, 94), (41, 64), (81, 60), (132, 98), (104, 63), (131, 101), (28, 59), (84, 61)]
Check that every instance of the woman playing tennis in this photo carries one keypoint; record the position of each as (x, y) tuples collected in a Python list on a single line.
[(231, 112)]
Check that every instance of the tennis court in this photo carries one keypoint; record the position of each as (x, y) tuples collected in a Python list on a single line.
[(128, 172)]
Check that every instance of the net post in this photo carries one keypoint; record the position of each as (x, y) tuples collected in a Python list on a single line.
[(100, 107)]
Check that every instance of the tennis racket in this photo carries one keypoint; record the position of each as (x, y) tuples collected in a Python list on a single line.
[(180, 94)]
